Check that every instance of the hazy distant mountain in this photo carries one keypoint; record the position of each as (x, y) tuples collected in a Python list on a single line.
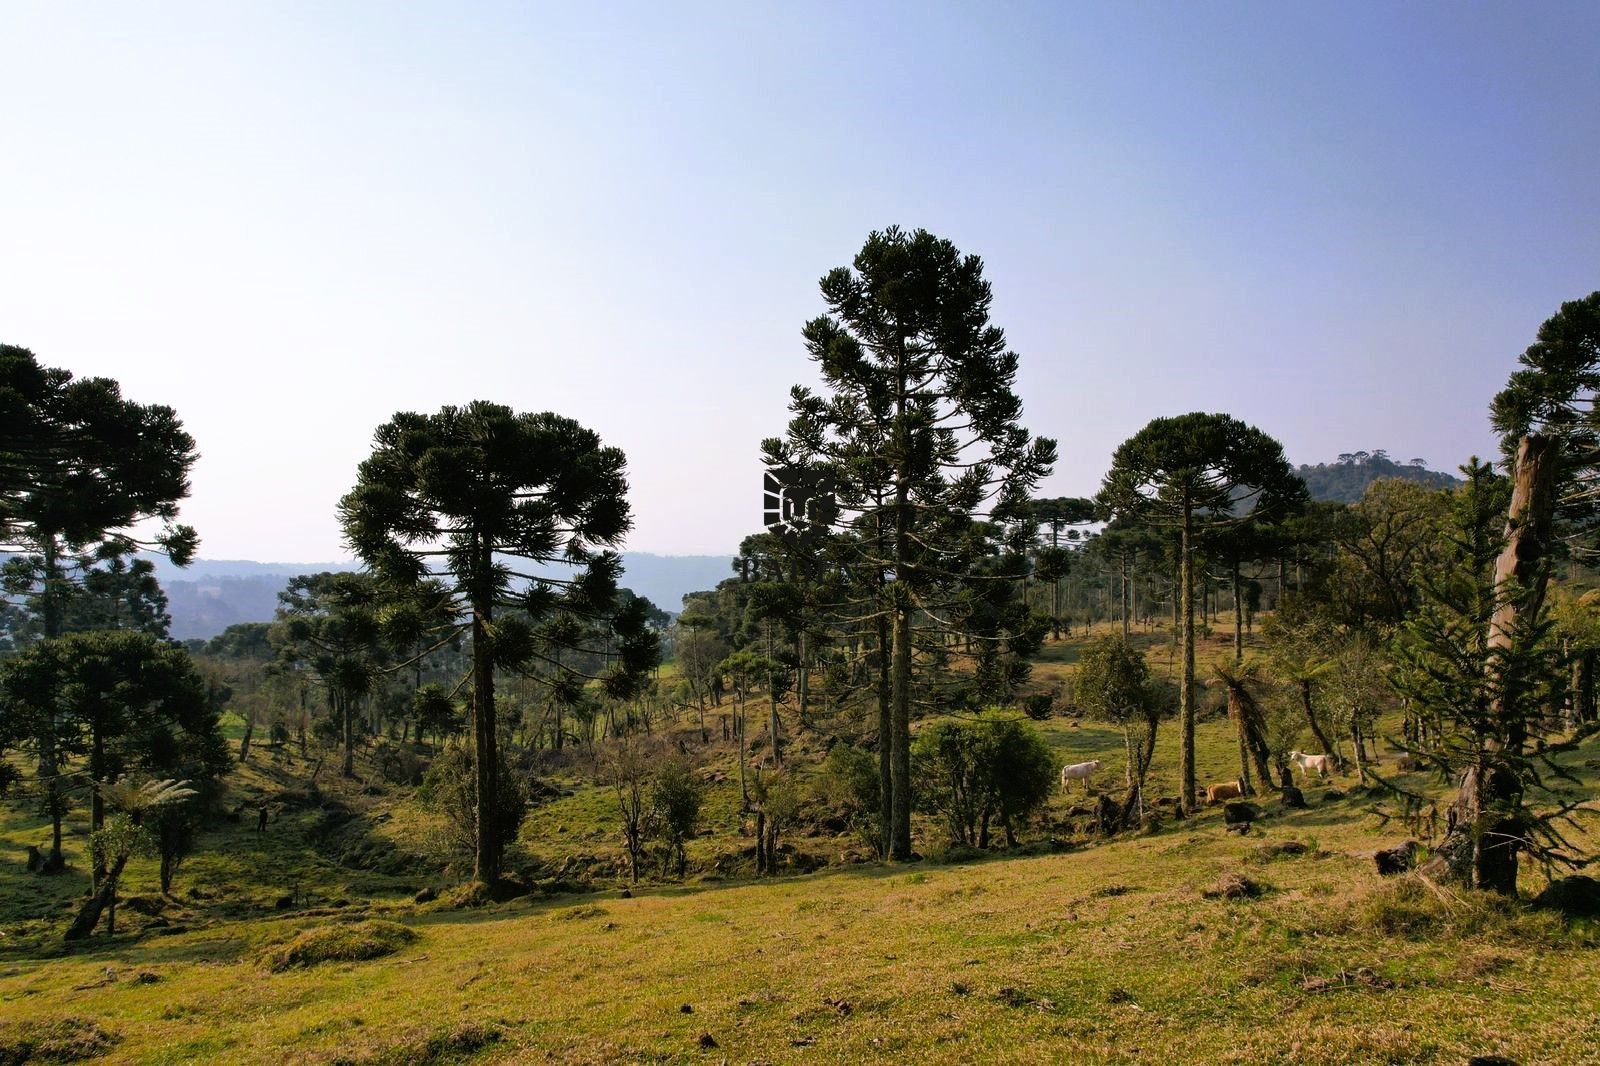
[(212, 594), (1345, 480)]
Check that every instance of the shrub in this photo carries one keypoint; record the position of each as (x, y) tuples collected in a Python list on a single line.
[(340, 942), (398, 764), (976, 773), (1040, 706), (451, 787), (848, 789), (675, 796)]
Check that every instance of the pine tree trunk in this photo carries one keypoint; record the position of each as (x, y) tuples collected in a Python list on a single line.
[(738, 730), (1238, 615), (89, 916), (1304, 686), (885, 731), (1186, 676), (1127, 598), (49, 766), (349, 735), (97, 803), (802, 684), (486, 865), (1482, 846), (1242, 728), (1586, 687), (900, 766)]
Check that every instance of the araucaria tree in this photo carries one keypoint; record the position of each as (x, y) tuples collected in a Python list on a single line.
[(1481, 656), (490, 498), (84, 474), (125, 702), (329, 622), (81, 470), (1196, 476), (919, 429)]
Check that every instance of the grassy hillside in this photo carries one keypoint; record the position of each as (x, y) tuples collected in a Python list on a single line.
[(1068, 950)]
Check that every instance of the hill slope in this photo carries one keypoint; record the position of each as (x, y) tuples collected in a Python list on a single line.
[(1346, 479), (212, 594)]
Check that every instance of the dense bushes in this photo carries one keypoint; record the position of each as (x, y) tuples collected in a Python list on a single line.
[(451, 787), (977, 773), (848, 790), (676, 795)]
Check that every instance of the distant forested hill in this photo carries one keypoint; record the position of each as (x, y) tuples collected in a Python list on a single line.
[(213, 594), (1345, 480)]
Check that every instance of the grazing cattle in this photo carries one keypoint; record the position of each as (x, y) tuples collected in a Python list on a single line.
[(1079, 772), (1227, 790), (1322, 764)]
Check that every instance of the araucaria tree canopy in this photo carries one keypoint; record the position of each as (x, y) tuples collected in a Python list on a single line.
[(919, 427), (1193, 477), (491, 499)]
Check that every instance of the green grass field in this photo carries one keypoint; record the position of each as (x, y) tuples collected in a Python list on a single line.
[(1104, 952)]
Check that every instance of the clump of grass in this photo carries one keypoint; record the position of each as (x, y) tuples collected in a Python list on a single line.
[(588, 910), (1108, 891), (1412, 909), (444, 1045), (56, 1040), (339, 942), (1284, 849), (1236, 886)]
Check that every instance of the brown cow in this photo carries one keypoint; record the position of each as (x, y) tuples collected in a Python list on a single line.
[(1226, 791)]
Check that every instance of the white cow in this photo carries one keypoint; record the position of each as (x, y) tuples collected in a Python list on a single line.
[(1079, 772), (1307, 763)]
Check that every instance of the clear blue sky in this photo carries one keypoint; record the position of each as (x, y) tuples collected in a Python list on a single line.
[(1341, 222)]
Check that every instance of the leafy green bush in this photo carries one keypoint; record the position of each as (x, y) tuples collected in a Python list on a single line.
[(847, 789), (993, 770), (676, 795), (340, 942), (451, 787)]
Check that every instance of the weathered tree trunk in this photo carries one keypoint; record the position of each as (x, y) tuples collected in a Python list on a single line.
[(346, 717), (1482, 846), (1238, 615), (900, 766), (1584, 689), (244, 741), (89, 916), (1127, 599), (1236, 711), (486, 863), (885, 731), (1304, 686), (1186, 676)]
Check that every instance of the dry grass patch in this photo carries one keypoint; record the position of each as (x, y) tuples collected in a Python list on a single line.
[(53, 1040)]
